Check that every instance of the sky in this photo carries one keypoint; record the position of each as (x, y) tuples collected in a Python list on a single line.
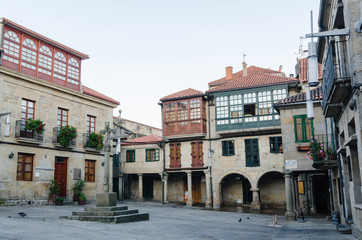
[(141, 50)]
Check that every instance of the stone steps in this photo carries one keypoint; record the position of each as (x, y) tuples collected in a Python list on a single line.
[(115, 214), (344, 229)]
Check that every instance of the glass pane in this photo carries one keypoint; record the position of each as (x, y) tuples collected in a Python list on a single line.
[(27, 176)]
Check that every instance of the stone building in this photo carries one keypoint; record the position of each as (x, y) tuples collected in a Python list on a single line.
[(41, 79), (340, 53)]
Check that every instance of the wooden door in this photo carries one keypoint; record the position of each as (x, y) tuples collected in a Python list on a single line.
[(60, 174), (148, 187), (196, 189)]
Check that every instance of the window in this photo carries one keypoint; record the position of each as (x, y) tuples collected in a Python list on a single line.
[(91, 124), (130, 156), (182, 113), (197, 154), (195, 111), (11, 47), (28, 54), (222, 110), (45, 60), (170, 112), (175, 154), (228, 148), (303, 128), (152, 155), (25, 167), (265, 106), (90, 171), (252, 153), (275, 144), (236, 109), (59, 66), (73, 71), (62, 117), (27, 111)]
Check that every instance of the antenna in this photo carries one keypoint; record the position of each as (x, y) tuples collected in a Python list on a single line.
[(244, 55), (311, 23)]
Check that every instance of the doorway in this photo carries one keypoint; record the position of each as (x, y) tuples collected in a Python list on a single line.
[(148, 187), (60, 174)]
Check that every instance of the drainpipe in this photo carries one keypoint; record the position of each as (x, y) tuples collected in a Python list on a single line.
[(164, 157), (341, 180), (210, 152)]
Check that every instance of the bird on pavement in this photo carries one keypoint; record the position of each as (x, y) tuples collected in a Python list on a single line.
[(239, 220), (22, 214)]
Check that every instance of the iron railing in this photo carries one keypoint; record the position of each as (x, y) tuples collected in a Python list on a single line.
[(326, 142)]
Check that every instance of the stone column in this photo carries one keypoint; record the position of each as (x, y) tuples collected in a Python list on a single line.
[(140, 188), (165, 178), (256, 203), (313, 209), (289, 215), (189, 189), (208, 193)]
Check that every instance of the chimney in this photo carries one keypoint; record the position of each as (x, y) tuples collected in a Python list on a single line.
[(291, 75), (280, 68), (245, 69), (229, 72)]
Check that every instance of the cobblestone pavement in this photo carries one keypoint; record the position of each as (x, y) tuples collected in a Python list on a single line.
[(166, 222)]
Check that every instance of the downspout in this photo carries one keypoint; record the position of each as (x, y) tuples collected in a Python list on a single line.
[(162, 144), (210, 151)]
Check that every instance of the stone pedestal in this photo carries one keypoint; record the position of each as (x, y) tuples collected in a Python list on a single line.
[(256, 203), (106, 199)]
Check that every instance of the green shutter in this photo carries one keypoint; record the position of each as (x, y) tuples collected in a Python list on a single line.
[(252, 152)]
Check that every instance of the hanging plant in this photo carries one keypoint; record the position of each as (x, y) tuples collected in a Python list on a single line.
[(34, 125), (95, 141), (66, 135)]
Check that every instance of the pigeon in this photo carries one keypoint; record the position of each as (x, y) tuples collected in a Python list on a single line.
[(239, 220), (247, 217), (9, 217), (22, 214)]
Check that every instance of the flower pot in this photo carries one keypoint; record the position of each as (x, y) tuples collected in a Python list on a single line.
[(52, 198), (59, 203), (81, 202), (76, 197)]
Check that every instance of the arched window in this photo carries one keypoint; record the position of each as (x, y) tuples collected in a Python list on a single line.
[(45, 60), (73, 71), (59, 66), (28, 54), (11, 47)]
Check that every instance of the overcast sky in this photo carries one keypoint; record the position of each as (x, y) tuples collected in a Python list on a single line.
[(141, 51)]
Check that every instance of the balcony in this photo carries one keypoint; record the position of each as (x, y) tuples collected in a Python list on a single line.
[(328, 159), (90, 147), (24, 136), (56, 139), (336, 85), (185, 129)]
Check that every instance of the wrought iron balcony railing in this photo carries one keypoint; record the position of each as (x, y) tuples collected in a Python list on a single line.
[(56, 142), (23, 135)]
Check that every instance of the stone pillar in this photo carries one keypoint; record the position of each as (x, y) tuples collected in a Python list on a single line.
[(313, 209), (208, 193), (216, 195), (189, 189), (140, 188), (165, 178), (289, 215), (256, 203)]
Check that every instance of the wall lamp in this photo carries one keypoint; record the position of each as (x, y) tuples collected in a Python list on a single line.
[(11, 155)]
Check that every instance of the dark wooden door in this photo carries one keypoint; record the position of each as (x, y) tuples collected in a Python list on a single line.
[(196, 189), (60, 174), (148, 187)]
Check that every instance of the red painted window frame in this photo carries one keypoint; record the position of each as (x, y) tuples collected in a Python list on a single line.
[(62, 110), (21, 167), (90, 177)]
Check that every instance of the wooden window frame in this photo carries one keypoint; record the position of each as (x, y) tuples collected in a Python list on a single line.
[(90, 164), (27, 114), (154, 155), (61, 117), (228, 147), (274, 141), (175, 154), (22, 160), (304, 129), (89, 126), (130, 153), (197, 154), (250, 153)]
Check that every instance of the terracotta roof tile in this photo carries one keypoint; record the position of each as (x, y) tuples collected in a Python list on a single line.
[(301, 97), (144, 140), (303, 70), (250, 70), (91, 92), (183, 94), (252, 80), (45, 39)]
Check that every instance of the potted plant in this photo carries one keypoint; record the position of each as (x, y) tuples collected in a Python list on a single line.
[(316, 151), (66, 135), (332, 154), (77, 189), (59, 201), (82, 199), (54, 191), (34, 125), (95, 141)]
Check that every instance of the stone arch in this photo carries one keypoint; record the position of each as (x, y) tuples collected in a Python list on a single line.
[(271, 187), (235, 190)]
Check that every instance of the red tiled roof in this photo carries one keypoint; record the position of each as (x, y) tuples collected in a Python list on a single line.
[(252, 80), (45, 39), (238, 75), (301, 97), (91, 92), (183, 94), (303, 70), (144, 140)]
